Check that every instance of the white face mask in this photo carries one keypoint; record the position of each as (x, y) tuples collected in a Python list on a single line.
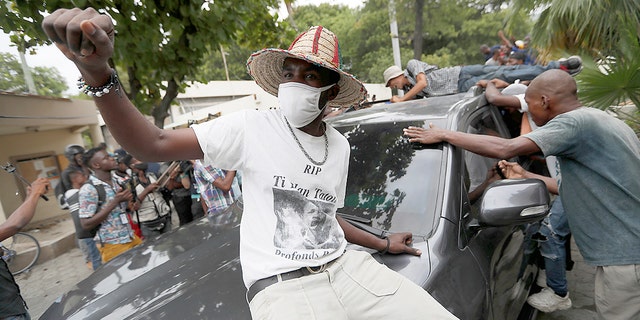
[(299, 102)]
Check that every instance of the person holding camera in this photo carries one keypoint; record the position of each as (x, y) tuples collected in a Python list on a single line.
[(103, 202), (152, 212), (180, 186)]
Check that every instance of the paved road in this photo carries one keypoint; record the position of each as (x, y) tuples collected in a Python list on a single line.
[(45, 282)]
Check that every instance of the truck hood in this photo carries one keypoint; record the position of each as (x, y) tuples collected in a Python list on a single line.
[(192, 274)]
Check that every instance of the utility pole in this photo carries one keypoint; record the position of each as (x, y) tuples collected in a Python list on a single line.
[(395, 42), (224, 60), (28, 79)]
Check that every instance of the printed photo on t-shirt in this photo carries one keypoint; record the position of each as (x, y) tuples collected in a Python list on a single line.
[(304, 224)]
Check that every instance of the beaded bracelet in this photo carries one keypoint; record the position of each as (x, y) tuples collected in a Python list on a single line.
[(102, 90)]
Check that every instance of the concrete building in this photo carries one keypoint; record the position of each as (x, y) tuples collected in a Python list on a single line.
[(34, 131), (202, 102)]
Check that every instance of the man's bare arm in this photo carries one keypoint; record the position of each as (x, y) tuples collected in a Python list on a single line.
[(485, 145), (25, 212), (87, 38), (495, 97)]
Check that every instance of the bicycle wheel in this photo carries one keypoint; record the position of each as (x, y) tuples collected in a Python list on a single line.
[(24, 252)]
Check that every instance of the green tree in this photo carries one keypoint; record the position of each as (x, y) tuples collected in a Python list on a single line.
[(418, 40), (452, 31), (289, 5), (159, 44), (261, 35), (364, 40), (608, 41), (48, 81)]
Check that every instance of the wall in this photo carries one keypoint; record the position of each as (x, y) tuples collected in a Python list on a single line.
[(26, 144)]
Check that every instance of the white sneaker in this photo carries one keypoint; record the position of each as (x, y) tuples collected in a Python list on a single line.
[(541, 280), (548, 301)]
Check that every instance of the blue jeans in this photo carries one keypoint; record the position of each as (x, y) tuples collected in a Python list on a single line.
[(90, 252), (555, 228), (470, 75)]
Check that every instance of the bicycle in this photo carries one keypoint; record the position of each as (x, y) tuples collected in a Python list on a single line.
[(20, 252)]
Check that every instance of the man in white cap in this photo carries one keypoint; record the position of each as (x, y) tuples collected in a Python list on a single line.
[(290, 159), (421, 80)]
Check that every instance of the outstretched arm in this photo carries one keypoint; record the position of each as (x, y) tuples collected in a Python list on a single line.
[(485, 145), (86, 38), (495, 97), (25, 212), (504, 39)]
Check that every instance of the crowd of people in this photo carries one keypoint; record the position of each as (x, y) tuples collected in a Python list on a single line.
[(509, 52), (580, 141), (293, 150), (551, 100), (116, 200)]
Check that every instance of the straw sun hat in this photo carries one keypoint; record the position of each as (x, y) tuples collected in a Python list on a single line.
[(318, 46)]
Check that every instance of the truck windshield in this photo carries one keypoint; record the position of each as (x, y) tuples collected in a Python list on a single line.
[(392, 183)]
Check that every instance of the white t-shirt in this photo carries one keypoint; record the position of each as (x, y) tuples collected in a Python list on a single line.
[(289, 203)]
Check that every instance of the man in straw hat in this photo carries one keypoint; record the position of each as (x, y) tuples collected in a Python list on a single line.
[(292, 162), (421, 80)]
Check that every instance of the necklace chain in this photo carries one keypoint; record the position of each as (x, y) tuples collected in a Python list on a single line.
[(326, 145)]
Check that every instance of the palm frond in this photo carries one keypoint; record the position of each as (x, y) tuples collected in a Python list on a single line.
[(620, 82)]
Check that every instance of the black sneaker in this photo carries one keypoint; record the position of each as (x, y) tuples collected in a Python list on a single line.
[(572, 65)]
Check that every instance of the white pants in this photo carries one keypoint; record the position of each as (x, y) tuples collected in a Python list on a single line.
[(617, 291), (356, 286)]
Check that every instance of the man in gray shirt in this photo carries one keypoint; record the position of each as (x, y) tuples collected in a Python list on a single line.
[(420, 79), (599, 156)]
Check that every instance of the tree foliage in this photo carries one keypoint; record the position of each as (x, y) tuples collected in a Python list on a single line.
[(452, 31), (606, 34), (159, 44), (593, 27), (262, 34), (48, 81), (22, 20)]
